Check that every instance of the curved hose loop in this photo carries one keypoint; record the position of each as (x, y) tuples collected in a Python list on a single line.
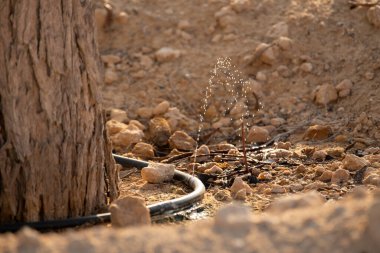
[(161, 208)]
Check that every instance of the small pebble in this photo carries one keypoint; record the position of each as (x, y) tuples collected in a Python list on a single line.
[(352, 162), (325, 94), (257, 135), (340, 176), (182, 141)]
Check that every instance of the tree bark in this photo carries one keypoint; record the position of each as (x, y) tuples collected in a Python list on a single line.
[(55, 157)]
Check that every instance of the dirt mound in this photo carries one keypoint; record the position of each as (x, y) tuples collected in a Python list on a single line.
[(293, 224)]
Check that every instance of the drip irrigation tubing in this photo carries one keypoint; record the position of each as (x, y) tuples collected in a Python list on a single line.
[(162, 208)]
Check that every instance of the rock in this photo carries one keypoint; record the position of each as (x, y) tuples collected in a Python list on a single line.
[(222, 122), (119, 115), (340, 176), (257, 135), (122, 18), (100, 18), (369, 75), (264, 176), (114, 127), (284, 43), (306, 67), (166, 54), (161, 108), (178, 120), (225, 147), (110, 59), (211, 113), (222, 195), (352, 162), (143, 150), (127, 137), (374, 223), (110, 76), (280, 153), (315, 186), (372, 179), (277, 189), (238, 185), (296, 187), (325, 94), (261, 76), (301, 169), (137, 123), (269, 56), (145, 112), (283, 145), (233, 219), (214, 170), (157, 173), (317, 132), (146, 62), (344, 88), (277, 121), (184, 25), (335, 151), (238, 110), (280, 29), (239, 5), (241, 195), (201, 154), (182, 141), (373, 15), (159, 131), (319, 155), (326, 176), (129, 211)]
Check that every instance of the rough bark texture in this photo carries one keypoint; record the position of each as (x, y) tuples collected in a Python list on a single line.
[(55, 159)]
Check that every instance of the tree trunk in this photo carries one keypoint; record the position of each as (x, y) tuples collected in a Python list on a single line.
[(55, 158)]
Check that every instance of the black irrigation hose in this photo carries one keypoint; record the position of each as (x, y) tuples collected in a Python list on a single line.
[(161, 208)]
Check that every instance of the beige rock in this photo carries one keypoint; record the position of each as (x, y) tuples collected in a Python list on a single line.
[(222, 195), (238, 185), (119, 115), (161, 108), (319, 155), (277, 189), (182, 141), (157, 173), (352, 162), (214, 170), (222, 122), (146, 62), (238, 110), (277, 121), (306, 67), (296, 187), (225, 147), (143, 150), (114, 126), (201, 154), (270, 55), (317, 132), (176, 119), (211, 113), (184, 25), (335, 151), (340, 176), (241, 195), (100, 18), (301, 169), (283, 145), (281, 29), (344, 88), (372, 179), (111, 59), (129, 211), (261, 76), (284, 71), (159, 131), (297, 201), (239, 5), (257, 135), (284, 43), (326, 176), (264, 176), (145, 112), (127, 137), (137, 123), (122, 18), (325, 94), (373, 15), (280, 153), (166, 54), (316, 186), (110, 76)]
